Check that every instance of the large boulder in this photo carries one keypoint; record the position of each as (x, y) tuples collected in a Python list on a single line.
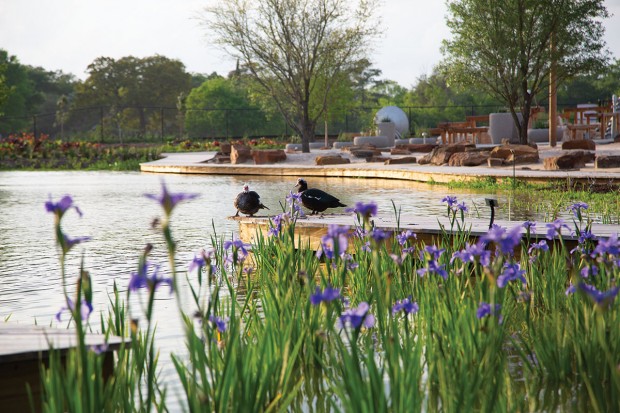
[(468, 158), (268, 156), (441, 154), (330, 160), (512, 150), (225, 148), (607, 161), (417, 147), (569, 160), (583, 144), (240, 154)]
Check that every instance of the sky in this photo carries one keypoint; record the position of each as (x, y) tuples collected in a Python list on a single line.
[(68, 35)]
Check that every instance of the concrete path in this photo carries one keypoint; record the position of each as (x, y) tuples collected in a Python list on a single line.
[(300, 164)]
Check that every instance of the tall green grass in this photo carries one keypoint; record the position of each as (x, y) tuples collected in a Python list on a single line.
[(374, 322)]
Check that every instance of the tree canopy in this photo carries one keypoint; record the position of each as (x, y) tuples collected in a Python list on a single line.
[(509, 47), (297, 50)]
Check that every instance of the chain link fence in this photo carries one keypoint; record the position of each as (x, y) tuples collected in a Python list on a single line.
[(149, 124)]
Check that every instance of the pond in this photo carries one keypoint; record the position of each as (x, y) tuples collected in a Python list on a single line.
[(118, 218)]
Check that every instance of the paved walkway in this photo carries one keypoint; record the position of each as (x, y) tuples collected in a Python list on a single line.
[(300, 164)]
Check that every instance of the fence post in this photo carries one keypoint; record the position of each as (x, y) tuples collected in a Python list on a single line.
[(162, 124), (101, 123)]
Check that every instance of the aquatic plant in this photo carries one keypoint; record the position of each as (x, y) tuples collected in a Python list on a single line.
[(379, 319)]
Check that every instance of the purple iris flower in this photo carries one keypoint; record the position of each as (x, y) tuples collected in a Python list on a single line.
[(571, 289), (197, 262), (450, 200), (610, 246), (294, 201), (433, 251), (485, 309), (86, 309), (589, 270), (602, 299), (379, 235), (67, 242), (327, 295), (169, 200), (59, 208), (337, 237), (529, 225), (539, 246), (586, 235), (506, 240), (148, 277), (576, 208), (358, 317), (237, 246), (404, 236), (432, 267), (470, 253), (511, 272), (364, 210), (406, 305), (555, 228), (219, 323), (275, 226), (460, 207)]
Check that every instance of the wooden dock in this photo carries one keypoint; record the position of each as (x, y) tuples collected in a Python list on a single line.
[(24, 348), (310, 229)]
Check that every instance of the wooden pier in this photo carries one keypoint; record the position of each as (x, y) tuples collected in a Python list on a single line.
[(24, 348), (310, 229)]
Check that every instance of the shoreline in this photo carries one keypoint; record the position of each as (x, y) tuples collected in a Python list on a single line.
[(302, 164)]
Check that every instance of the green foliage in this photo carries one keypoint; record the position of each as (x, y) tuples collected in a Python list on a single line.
[(508, 48), (222, 107)]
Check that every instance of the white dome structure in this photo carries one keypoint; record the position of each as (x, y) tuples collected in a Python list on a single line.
[(396, 115)]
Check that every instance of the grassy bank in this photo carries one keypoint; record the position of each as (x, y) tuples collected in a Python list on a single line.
[(372, 322)]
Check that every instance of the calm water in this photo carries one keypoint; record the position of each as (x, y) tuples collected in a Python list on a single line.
[(117, 216)]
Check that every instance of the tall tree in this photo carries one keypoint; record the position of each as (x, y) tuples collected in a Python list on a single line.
[(506, 48), (134, 87), (295, 49), (21, 99), (221, 107)]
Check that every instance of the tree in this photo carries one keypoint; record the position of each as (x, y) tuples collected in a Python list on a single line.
[(22, 98), (221, 107), (295, 49), (509, 47), (134, 88)]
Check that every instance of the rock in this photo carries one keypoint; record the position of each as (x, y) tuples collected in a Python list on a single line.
[(569, 160), (607, 161), (507, 150), (221, 159), (494, 162), (268, 156), (417, 147), (331, 160), (399, 161), (522, 159), (468, 159), (584, 144), (365, 153), (399, 151), (240, 154), (225, 148), (441, 154), (376, 158)]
